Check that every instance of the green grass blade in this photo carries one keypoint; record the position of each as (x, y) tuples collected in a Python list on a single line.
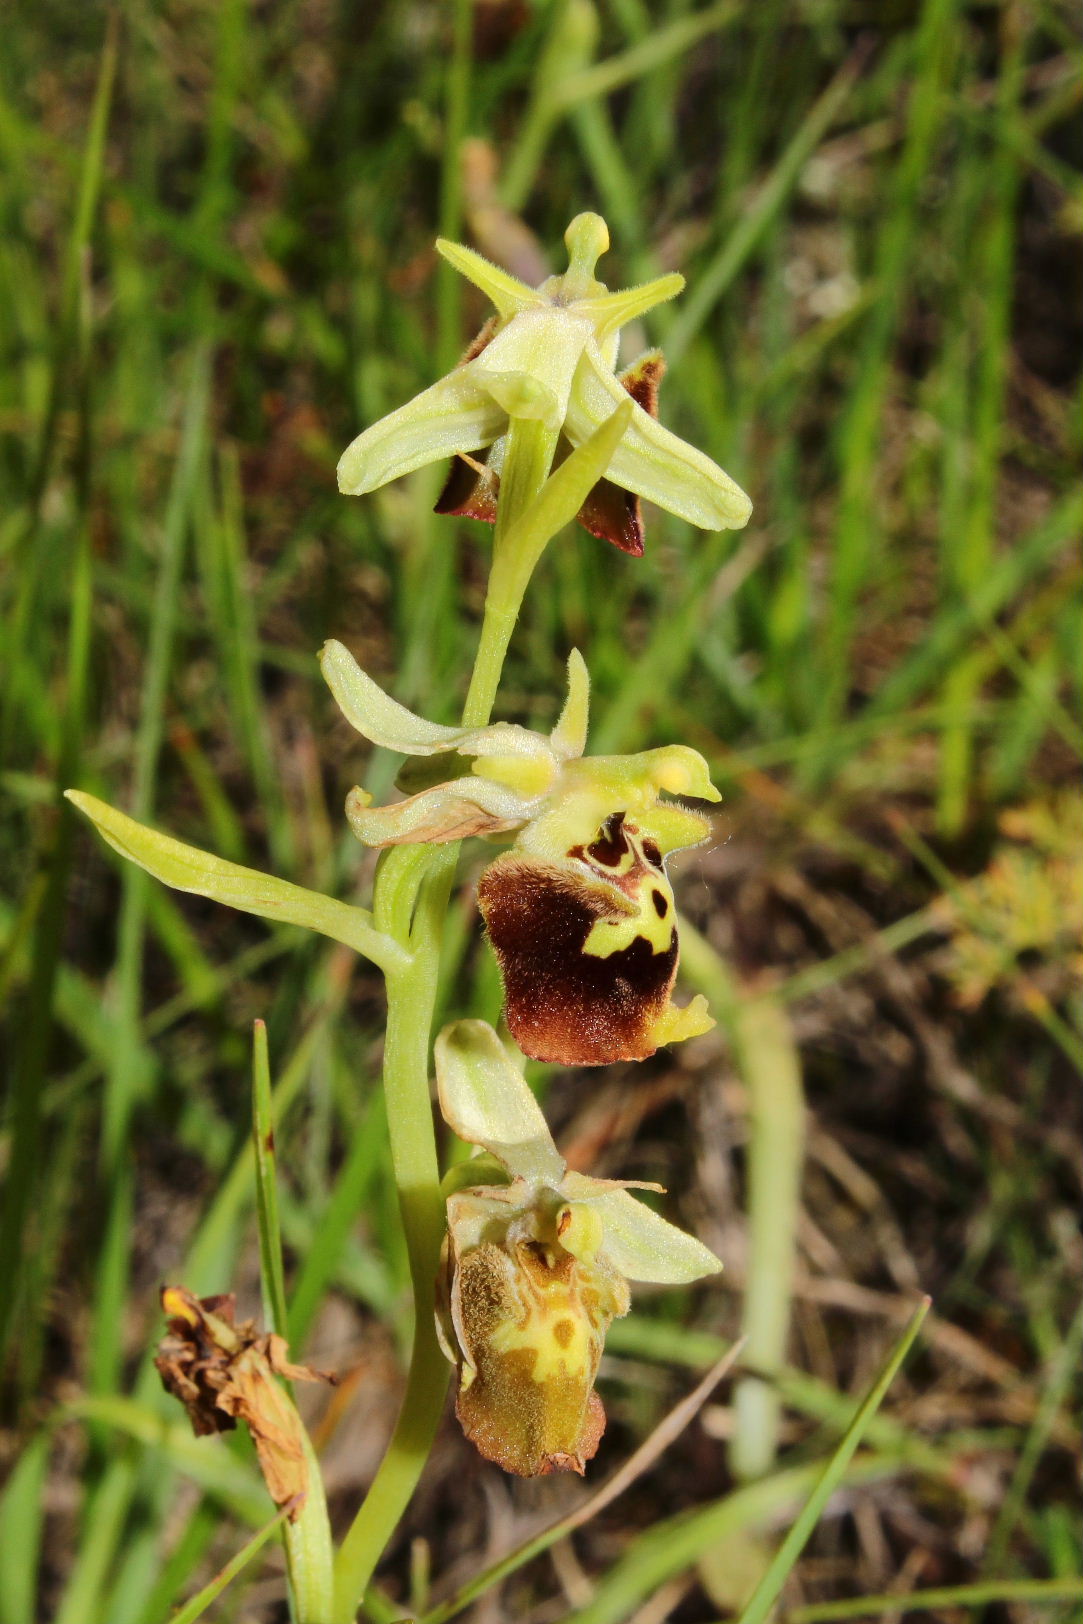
[(675, 1544), (168, 1440), (1012, 572), (102, 1532), (1065, 1371), (175, 1572), (771, 1068), (1041, 1592), (335, 1221), (661, 46), (35, 1032), (272, 1274), (859, 430), (711, 284), (199, 1603), (770, 1586), (969, 544), (67, 347), (449, 285), (116, 1167), (22, 1515), (622, 1479)]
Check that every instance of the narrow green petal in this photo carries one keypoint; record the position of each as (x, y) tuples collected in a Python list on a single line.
[(642, 1246), (611, 311), (650, 460), (487, 1102), (378, 717), (186, 868), (507, 293), (375, 714), (568, 739), (674, 828), (453, 415)]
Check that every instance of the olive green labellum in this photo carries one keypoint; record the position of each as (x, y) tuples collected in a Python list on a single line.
[(535, 1267)]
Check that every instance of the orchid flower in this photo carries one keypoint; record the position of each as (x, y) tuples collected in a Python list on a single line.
[(536, 1266), (549, 355), (580, 912)]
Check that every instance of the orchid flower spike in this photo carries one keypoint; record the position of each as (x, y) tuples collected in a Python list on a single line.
[(536, 1266), (549, 354), (580, 912)]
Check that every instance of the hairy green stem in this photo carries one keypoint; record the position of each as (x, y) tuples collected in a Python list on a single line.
[(411, 896)]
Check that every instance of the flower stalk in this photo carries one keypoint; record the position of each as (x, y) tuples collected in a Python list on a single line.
[(414, 912), (541, 429)]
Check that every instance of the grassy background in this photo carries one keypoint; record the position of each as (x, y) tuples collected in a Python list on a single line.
[(216, 251)]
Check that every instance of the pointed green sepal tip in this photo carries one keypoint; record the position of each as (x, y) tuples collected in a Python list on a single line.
[(612, 311), (506, 292)]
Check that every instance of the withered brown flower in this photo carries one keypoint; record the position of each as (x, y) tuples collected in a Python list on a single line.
[(223, 1372)]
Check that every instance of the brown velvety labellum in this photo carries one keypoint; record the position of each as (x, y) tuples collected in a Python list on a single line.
[(564, 1004)]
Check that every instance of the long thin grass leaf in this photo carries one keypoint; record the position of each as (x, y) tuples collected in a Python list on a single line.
[(22, 1516), (1041, 1592), (675, 1544), (272, 1274), (734, 252), (769, 1588), (36, 1029), (771, 1068), (213, 1589)]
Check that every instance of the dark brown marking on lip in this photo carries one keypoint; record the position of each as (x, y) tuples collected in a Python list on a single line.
[(651, 852), (563, 1004), (661, 906), (612, 843)]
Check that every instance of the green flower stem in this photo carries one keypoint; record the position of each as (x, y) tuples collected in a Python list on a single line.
[(411, 995), (534, 505), (411, 896), (308, 1549)]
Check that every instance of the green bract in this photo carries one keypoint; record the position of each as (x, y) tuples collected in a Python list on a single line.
[(537, 1266), (550, 358)]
